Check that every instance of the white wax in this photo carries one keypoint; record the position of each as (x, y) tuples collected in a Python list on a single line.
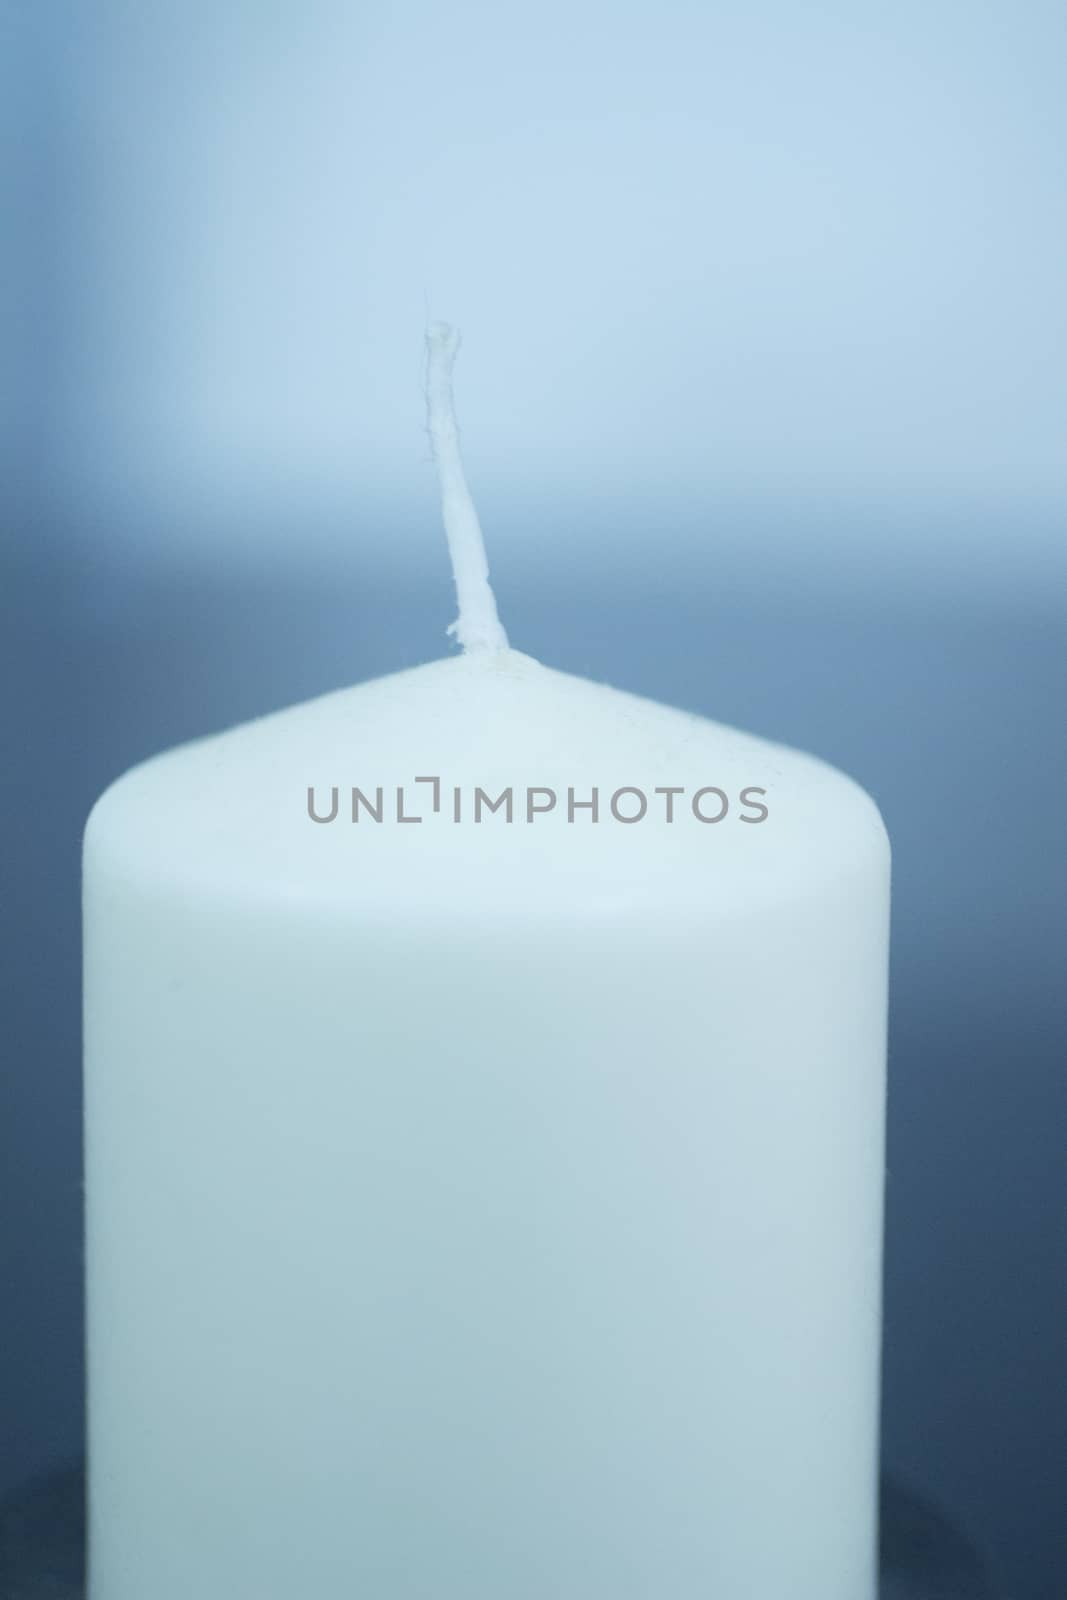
[(483, 1211)]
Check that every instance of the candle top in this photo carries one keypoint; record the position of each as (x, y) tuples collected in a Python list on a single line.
[(231, 817), (485, 784)]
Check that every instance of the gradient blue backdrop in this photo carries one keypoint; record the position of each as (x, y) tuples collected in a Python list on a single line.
[(764, 404)]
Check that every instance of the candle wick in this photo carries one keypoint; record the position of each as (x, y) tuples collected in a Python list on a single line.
[(477, 626)]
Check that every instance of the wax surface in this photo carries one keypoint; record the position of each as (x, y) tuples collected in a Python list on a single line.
[(483, 1211)]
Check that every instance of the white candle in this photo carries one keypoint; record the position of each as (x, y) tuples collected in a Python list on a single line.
[(484, 1209)]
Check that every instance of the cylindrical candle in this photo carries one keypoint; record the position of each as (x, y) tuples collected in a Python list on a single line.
[(484, 1146), (487, 1207)]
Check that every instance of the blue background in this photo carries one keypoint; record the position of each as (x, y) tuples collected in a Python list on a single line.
[(764, 404)]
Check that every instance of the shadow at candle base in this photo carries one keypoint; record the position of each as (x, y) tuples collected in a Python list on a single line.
[(42, 1538), (923, 1556), (42, 1545)]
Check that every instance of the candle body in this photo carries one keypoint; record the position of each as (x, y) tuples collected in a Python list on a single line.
[(484, 1208)]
